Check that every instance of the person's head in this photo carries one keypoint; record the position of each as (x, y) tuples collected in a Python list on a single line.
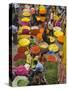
[(31, 37), (51, 21), (35, 62), (45, 31), (32, 55), (42, 54), (33, 5), (60, 54)]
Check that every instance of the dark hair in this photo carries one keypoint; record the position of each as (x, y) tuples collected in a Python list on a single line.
[(31, 37), (42, 54), (33, 6), (35, 62), (44, 30)]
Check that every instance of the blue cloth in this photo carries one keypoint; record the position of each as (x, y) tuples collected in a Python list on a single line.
[(39, 67), (50, 52)]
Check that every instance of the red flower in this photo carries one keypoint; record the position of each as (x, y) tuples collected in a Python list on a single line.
[(19, 56), (35, 49), (22, 49)]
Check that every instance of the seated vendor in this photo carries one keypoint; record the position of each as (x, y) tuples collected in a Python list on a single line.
[(45, 37)]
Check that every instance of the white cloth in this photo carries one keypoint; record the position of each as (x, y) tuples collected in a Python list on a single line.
[(50, 25)]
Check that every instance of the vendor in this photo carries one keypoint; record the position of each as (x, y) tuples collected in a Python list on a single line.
[(32, 41), (42, 57), (61, 69), (13, 29), (45, 37), (33, 12), (38, 77), (50, 27)]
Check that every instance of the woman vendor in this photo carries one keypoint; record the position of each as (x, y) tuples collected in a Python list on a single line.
[(45, 37)]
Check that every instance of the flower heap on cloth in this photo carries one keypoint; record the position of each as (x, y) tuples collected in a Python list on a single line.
[(61, 39), (42, 9), (43, 46), (20, 81), (19, 56), (53, 47), (58, 33), (21, 71), (39, 35), (24, 30), (35, 49), (26, 12), (34, 30), (21, 49), (56, 28), (25, 19), (51, 58), (24, 42)]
